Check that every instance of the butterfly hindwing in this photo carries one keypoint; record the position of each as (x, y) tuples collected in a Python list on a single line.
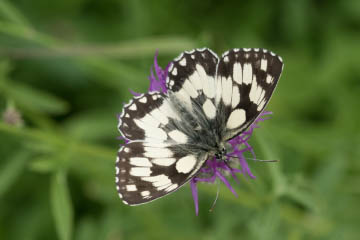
[(146, 171), (158, 158)]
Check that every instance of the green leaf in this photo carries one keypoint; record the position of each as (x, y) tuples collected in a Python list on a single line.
[(61, 206), (44, 164), (10, 172), (11, 13), (33, 99)]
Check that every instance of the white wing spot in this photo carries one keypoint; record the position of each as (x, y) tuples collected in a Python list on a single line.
[(226, 59), (226, 88), (153, 152), (143, 100), (193, 56), (127, 150), (263, 65), (183, 62), (178, 136), (209, 109), (133, 107), (174, 71), (235, 100), (248, 73), (157, 178), (140, 171), (186, 164), (237, 73), (125, 202), (145, 193), (269, 78), (131, 188), (117, 170), (120, 195), (236, 119), (140, 161), (116, 179), (247, 49), (164, 161), (255, 91), (158, 181), (127, 115)]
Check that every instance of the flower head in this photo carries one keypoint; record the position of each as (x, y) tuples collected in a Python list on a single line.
[(12, 116), (213, 168)]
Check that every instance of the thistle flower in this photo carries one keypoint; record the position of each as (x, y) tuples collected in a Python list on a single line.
[(213, 169)]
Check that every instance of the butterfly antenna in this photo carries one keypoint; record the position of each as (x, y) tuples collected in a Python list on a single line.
[(255, 159), (216, 198)]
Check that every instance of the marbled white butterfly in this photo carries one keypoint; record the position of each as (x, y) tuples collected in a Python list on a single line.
[(208, 102)]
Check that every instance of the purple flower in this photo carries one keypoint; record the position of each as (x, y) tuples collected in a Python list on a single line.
[(213, 169)]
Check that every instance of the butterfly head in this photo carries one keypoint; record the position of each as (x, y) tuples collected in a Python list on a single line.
[(220, 153)]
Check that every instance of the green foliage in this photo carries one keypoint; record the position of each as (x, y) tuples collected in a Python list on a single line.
[(61, 205), (67, 68)]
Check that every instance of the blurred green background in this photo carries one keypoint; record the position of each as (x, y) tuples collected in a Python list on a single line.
[(67, 67)]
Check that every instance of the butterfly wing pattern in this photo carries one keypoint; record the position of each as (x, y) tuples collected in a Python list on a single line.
[(246, 79), (209, 101)]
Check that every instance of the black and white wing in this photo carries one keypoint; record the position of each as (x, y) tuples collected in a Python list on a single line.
[(245, 81), (158, 159), (192, 89)]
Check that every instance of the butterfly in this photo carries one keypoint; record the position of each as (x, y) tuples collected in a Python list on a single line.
[(209, 100)]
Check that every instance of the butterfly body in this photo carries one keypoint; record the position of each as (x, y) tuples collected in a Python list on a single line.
[(208, 102)]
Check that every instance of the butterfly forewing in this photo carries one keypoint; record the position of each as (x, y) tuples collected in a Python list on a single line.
[(245, 81)]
